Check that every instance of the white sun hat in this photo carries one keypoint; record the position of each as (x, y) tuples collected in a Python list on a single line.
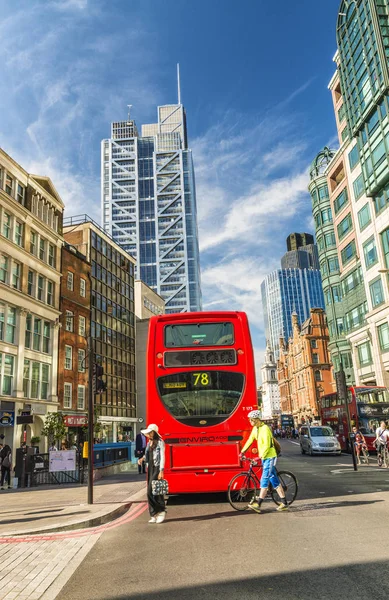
[(149, 428)]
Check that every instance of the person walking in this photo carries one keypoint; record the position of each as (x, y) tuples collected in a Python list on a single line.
[(267, 452), (154, 457), (140, 449), (6, 462), (381, 441)]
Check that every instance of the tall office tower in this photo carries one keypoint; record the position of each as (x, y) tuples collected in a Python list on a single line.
[(357, 177), (285, 291), (149, 204), (302, 252), (294, 241)]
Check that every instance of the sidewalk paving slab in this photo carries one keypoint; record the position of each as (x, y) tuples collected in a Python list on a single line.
[(57, 508)]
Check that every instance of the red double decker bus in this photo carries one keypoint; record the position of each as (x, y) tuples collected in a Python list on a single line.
[(200, 387), (368, 406)]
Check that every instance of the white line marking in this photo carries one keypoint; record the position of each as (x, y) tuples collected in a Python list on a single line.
[(297, 444)]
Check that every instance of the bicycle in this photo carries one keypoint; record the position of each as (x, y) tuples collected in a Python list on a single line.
[(244, 487), (382, 455)]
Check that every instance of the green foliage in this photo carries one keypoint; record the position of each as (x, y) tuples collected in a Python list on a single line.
[(35, 440), (54, 428)]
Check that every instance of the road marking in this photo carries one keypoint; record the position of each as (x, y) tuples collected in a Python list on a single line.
[(135, 511), (297, 444)]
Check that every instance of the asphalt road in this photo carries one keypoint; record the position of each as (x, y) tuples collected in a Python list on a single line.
[(331, 544)]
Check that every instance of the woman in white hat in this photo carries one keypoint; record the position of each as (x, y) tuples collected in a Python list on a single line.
[(155, 460)]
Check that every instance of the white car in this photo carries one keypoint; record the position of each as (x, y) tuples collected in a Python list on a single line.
[(318, 440)]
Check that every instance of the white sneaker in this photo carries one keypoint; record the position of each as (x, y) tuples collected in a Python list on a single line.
[(153, 520), (161, 517)]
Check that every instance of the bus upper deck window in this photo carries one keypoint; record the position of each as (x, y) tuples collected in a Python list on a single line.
[(199, 334)]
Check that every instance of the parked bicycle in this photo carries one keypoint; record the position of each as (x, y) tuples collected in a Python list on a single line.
[(244, 487)]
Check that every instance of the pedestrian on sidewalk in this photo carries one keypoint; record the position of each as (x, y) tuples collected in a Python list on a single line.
[(6, 463), (154, 457), (268, 454), (140, 449)]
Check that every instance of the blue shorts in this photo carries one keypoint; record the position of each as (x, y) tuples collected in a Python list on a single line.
[(269, 473)]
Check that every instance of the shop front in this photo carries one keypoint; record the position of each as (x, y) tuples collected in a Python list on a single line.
[(76, 429), (115, 429)]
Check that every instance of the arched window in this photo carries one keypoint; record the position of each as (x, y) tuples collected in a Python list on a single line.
[(273, 374), (317, 375)]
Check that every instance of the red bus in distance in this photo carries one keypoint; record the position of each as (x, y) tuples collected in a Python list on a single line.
[(368, 406), (200, 387)]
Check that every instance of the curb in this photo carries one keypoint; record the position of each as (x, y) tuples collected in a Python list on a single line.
[(91, 522)]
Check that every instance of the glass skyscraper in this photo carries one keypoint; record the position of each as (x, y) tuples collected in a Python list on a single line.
[(149, 204), (284, 292)]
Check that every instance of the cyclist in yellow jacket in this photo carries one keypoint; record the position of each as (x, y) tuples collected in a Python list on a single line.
[(264, 438)]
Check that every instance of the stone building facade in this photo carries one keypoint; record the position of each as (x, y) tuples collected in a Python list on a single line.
[(30, 275)]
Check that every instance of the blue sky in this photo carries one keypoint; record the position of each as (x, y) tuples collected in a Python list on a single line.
[(254, 81)]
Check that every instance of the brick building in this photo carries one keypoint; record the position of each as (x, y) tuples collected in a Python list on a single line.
[(304, 369), (73, 339)]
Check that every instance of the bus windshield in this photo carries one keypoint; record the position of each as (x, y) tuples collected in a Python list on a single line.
[(372, 395), (206, 397), (199, 334)]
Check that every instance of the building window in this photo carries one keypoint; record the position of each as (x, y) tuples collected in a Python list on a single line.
[(26, 378), (345, 226), (37, 340), (348, 252), (82, 287), (370, 252), (7, 363), (69, 320), (383, 336), (364, 217), (333, 264), (364, 354), (42, 249), (317, 375), (81, 397), (67, 395), (31, 283), (35, 378), (376, 292), (18, 233), (51, 255), (16, 275), (9, 184), (50, 293), (33, 242), (20, 194), (81, 361), (70, 281), (7, 225), (28, 335), (315, 358), (41, 288), (68, 357), (313, 344), (44, 391), (340, 201), (81, 326), (385, 246), (46, 337), (4, 265), (359, 187), (7, 323), (353, 156)]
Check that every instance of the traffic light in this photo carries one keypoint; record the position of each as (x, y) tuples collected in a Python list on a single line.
[(341, 385), (100, 385)]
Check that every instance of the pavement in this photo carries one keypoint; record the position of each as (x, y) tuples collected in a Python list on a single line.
[(329, 544), (64, 507)]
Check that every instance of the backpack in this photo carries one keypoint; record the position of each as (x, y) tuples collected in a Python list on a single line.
[(7, 461), (276, 445)]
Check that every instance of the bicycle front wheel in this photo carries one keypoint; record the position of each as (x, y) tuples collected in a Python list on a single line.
[(289, 485), (242, 490)]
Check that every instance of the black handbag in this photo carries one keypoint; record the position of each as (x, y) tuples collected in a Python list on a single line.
[(159, 487)]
